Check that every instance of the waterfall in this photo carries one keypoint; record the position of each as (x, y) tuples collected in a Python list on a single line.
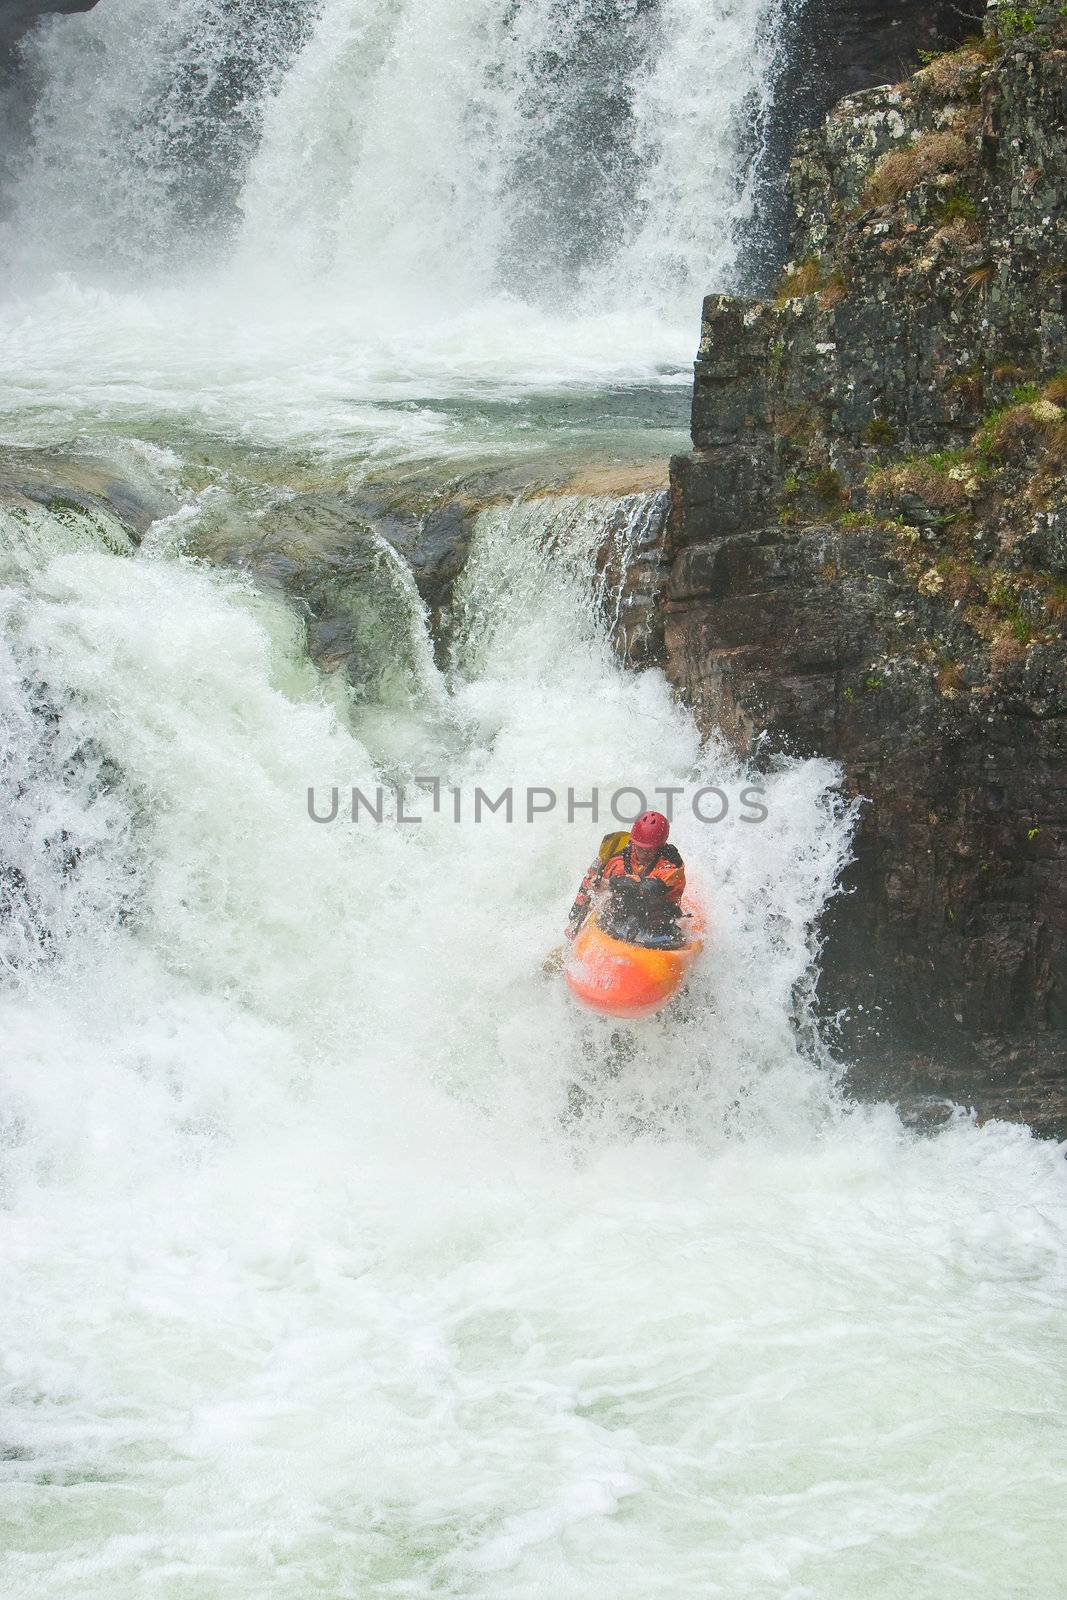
[(147, 117), (600, 560), (441, 150), (315, 1280), (274, 218), (341, 1254)]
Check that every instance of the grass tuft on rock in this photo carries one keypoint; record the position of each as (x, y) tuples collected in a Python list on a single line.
[(833, 291), (927, 481), (901, 171), (803, 279), (1019, 431), (978, 280), (953, 74)]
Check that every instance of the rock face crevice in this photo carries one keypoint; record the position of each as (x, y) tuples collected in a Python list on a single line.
[(868, 554)]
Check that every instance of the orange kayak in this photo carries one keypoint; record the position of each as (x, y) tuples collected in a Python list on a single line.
[(629, 980)]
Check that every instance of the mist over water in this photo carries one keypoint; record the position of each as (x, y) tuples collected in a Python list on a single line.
[(341, 1255), (270, 219)]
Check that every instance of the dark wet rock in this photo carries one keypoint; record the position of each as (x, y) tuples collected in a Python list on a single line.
[(328, 556), (867, 557), (60, 482), (433, 535)]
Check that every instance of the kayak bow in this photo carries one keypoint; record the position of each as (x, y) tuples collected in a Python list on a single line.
[(629, 980)]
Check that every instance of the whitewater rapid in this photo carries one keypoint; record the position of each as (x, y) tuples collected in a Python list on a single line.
[(315, 1283), (340, 1255)]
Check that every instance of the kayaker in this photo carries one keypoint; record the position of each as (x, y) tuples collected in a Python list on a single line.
[(643, 878)]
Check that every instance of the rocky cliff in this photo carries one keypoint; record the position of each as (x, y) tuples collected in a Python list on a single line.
[(868, 554)]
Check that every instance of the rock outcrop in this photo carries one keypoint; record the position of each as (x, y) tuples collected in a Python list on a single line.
[(58, 483), (831, 48), (868, 552)]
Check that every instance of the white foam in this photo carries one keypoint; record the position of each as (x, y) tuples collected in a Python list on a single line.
[(393, 189), (315, 1283)]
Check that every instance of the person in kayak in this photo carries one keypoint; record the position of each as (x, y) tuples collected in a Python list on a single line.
[(638, 880)]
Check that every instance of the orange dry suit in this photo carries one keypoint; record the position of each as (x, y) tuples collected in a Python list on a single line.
[(620, 865)]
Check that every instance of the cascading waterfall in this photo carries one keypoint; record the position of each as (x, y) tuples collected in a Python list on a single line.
[(609, 547), (276, 216), (149, 114), (541, 147), (68, 862), (451, 150), (297, 1180), (341, 1255)]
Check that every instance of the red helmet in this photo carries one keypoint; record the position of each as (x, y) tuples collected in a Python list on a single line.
[(650, 830)]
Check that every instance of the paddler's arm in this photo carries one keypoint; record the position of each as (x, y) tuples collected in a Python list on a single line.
[(584, 898), (672, 875)]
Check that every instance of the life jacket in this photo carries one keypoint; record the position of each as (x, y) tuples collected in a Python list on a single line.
[(615, 860), (667, 867)]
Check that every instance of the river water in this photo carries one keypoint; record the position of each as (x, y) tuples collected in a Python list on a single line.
[(342, 1257)]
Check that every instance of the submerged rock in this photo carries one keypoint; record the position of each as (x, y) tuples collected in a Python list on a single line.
[(374, 572), (867, 553), (61, 482)]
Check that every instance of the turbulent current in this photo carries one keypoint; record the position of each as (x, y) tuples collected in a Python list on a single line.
[(275, 217), (341, 1255)]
